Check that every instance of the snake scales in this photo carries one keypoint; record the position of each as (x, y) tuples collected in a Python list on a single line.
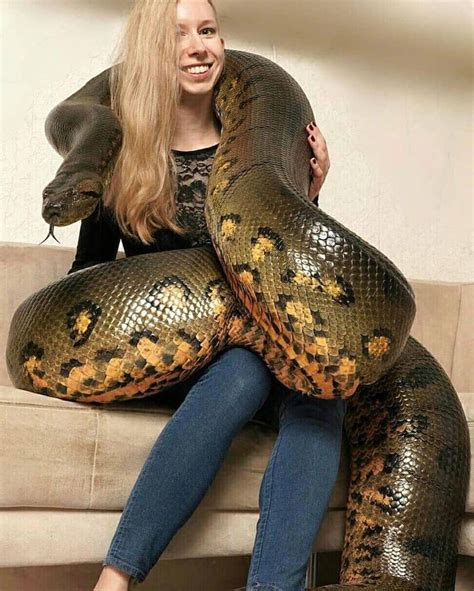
[(329, 314)]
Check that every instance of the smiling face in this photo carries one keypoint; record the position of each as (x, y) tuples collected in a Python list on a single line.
[(199, 44)]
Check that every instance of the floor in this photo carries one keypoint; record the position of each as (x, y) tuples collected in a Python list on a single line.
[(213, 574)]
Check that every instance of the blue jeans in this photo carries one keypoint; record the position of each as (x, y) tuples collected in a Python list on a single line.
[(218, 401)]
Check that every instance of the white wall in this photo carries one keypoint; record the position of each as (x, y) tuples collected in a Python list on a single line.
[(390, 83)]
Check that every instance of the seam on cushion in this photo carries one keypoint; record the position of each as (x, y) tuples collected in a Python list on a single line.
[(82, 409), (456, 332), (438, 281), (96, 445), (40, 406)]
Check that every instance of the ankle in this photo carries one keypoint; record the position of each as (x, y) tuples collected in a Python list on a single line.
[(112, 579)]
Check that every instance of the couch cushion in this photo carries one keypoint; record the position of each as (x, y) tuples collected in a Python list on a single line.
[(62, 454), (25, 269), (436, 322), (462, 374), (68, 456), (82, 457), (467, 401), (50, 536)]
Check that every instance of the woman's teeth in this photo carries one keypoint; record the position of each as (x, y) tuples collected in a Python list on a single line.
[(198, 69)]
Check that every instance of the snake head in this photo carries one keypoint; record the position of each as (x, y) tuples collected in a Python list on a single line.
[(69, 198)]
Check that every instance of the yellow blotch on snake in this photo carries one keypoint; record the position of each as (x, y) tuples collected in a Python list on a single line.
[(228, 229), (175, 293), (32, 367), (332, 288), (217, 303), (302, 279), (374, 467), (153, 354), (82, 321), (263, 246), (378, 346), (375, 497), (246, 278), (299, 311)]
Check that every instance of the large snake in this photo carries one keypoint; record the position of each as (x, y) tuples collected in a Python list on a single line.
[(327, 312)]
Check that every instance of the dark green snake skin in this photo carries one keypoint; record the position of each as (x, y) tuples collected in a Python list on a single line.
[(329, 314)]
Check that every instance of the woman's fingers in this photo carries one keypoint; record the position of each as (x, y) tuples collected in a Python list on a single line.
[(317, 170), (318, 145), (320, 161)]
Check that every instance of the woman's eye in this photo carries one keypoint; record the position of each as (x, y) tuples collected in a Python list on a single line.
[(210, 29)]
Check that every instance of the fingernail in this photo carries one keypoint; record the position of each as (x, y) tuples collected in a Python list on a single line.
[(313, 160), (312, 137)]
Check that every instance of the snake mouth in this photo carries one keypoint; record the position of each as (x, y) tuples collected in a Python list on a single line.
[(69, 209)]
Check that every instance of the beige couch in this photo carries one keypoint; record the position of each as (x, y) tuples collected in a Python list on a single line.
[(67, 469)]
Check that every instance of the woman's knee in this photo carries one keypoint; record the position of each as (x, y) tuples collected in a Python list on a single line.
[(299, 406), (247, 376)]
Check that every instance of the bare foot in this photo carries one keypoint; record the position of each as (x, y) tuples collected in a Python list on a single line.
[(112, 579)]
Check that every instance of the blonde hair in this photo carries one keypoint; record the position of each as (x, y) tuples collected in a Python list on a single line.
[(144, 92)]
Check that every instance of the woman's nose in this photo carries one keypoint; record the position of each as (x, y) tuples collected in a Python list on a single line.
[(196, 44)]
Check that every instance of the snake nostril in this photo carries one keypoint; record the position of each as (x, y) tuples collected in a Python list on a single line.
[(52, 210)]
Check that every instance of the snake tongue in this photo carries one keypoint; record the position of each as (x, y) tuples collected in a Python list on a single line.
[(50, 233)]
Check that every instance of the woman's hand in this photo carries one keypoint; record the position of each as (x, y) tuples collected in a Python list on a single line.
[(320, 163)]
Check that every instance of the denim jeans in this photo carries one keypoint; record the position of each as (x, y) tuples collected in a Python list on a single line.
[(218, 401)]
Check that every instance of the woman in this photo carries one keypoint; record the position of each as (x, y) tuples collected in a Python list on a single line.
[(155, 202)]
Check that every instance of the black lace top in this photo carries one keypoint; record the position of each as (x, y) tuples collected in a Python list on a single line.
[(100, 235)]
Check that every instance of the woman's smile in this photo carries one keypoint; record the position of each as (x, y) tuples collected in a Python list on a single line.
[(198, 75)]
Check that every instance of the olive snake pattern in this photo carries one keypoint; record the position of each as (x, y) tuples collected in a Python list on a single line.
[(328, 313)]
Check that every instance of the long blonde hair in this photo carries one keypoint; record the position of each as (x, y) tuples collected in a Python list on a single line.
[(145, 92)]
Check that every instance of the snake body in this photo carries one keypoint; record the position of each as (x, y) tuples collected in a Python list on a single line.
[(328, 313)]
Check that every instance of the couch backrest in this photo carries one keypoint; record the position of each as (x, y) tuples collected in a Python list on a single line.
[(444, 322)]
